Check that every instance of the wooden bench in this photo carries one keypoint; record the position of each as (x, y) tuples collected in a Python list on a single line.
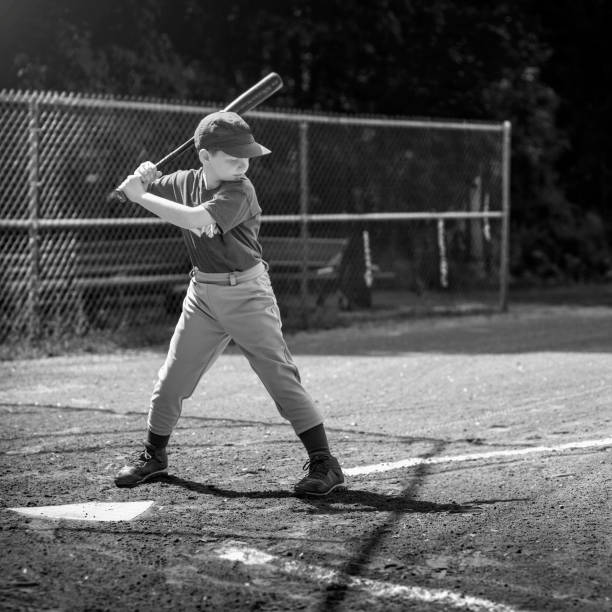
[(294, 257), (130, 262), (318, 262), (100, 263), (143, 261), (101, 274), (296, 264), (108, 272)]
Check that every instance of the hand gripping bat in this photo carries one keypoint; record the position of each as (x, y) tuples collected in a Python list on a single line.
[(246, 101)]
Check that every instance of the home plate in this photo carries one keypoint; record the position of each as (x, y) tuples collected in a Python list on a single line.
[(90, 511)]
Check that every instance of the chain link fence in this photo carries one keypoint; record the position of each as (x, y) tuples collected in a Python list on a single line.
[(359, 213)]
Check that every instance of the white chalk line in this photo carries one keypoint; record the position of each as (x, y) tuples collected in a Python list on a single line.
[(515, 452), (235, 551)]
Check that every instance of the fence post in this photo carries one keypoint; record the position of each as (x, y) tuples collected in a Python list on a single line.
[(476, 233), (304, 197), (33, 215), (505, 230)]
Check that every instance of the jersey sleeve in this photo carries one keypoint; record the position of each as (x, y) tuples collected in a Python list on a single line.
[(231, 205), (168, 186)]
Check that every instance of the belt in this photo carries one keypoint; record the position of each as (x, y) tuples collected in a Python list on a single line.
[(228, 278)]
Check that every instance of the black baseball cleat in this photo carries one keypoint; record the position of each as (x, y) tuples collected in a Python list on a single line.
[(145, 465), (324, 476)]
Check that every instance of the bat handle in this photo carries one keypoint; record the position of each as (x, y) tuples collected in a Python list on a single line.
[(117, 196), (184, 147)]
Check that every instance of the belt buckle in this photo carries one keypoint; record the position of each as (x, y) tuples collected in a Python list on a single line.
[(232, 278)]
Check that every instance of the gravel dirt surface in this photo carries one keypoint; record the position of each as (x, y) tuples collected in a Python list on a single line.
[(507, 419)]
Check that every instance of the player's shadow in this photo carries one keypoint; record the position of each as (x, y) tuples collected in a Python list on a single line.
[(338, 502)]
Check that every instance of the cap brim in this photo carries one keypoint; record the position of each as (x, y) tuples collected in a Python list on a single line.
[(252, 149)]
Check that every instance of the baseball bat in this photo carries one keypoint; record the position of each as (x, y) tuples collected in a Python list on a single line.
[(245, 102)]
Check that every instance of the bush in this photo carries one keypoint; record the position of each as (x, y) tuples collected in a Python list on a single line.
[(557, 242)]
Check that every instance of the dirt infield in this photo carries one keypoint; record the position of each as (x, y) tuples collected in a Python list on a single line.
[(478, 452)]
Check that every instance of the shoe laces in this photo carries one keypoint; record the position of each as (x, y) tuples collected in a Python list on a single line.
[(317, 465), (140, 457)]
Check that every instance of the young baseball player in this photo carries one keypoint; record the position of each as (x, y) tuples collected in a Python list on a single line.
[(229, 297)]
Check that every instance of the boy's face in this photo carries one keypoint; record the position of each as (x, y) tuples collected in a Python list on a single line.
[(226, 167)]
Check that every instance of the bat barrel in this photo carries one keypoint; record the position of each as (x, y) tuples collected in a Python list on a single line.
[(254, 96)]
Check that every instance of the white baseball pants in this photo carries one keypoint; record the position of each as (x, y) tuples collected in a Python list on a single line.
[(246, 312)]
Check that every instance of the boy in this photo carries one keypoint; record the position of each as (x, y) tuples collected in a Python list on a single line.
[(229, 297)]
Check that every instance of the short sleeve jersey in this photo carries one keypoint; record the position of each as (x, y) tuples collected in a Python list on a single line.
[(235, 209)]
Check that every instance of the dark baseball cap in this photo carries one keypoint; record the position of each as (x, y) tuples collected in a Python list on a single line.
[(229, 133)]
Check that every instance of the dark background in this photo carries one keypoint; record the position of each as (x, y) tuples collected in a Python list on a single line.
[(545, 66)]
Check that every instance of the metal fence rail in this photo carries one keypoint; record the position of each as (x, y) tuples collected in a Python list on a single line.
[(358, 212)]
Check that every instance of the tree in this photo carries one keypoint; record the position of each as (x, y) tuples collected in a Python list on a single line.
[(428, 58), (78, 45)]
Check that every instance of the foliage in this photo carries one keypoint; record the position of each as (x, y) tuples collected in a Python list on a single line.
[(435, 58)]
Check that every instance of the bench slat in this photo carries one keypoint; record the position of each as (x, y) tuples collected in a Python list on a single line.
[(119, 280)]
